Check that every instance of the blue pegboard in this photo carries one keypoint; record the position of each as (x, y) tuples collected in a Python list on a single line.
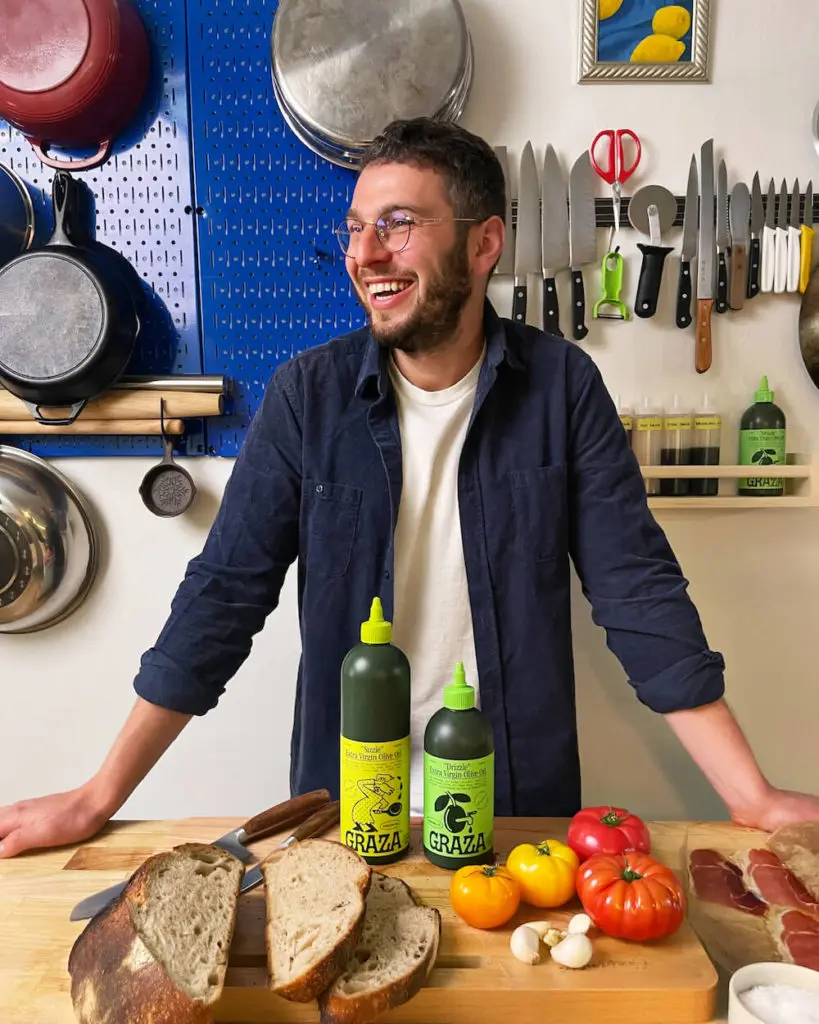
[(272, 277), (144, 207)]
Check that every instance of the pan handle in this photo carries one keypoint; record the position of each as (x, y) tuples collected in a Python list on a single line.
[(64, 199), (98, 158), (62, 421)]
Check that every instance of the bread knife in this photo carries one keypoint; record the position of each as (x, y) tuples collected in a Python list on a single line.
[(314, 826)]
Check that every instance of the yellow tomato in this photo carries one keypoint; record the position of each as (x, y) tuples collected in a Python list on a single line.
[(484, 895), (546, 872)]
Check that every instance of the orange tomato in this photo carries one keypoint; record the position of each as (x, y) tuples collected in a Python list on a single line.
[(484, 895)]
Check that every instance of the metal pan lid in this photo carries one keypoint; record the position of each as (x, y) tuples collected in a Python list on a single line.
[(340, 77)]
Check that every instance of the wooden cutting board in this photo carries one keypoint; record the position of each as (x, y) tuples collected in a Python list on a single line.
[(475, 977)]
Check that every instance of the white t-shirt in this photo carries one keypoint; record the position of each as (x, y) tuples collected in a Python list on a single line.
[(432, 619)]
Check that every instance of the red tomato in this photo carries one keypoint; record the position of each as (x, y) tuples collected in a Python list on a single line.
[(607, 830), (631, 896)]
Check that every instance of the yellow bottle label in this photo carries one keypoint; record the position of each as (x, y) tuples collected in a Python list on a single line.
[(678, 423), (650, 423), (707, 422), (375, 797), (627, 421)]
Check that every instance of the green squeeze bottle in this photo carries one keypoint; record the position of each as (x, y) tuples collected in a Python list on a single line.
[(375, 744), (459, 780), (762, 443)]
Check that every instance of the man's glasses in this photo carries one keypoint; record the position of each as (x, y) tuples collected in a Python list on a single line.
[(393, 232)]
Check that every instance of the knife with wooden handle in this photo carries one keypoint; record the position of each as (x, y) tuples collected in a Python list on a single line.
[(739, 214), (707, 259), (315, 825), (275, 818)]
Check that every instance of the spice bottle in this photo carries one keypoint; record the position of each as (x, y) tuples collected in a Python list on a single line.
[(459, 780), (375, 744), (762, 442), (626, 418), (705, 447), (647, 439), (676, 450)]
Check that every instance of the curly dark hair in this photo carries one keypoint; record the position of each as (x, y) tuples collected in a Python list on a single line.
[(472, 173)]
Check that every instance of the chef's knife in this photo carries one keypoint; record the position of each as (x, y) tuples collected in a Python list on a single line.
[(506, 263), (769, 240), (806, 248), (757, 220), (314, 826), (739, 214), (723, 238), (781, 264), (554, 236), (277, 817), (689, 247), (582, 236), (706, 258), (794, 236), (527, 239)]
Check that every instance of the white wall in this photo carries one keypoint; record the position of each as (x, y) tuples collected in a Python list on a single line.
[(754, 574)]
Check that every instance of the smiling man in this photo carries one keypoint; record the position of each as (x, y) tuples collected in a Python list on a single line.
[(456, 465)]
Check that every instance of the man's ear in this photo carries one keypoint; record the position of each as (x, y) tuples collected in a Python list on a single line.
[(487, 245)]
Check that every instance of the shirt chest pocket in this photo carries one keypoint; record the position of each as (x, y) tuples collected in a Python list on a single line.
[(331, 512), (541, 520)]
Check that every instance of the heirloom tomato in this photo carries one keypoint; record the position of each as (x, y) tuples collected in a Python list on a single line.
[(484, 895), (607, 830)]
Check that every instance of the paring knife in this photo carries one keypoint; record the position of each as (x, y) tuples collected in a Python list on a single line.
[(314, 826), (723, 238), (582, 237), (277, 817), (527, 240), (769, 240), (688, 251), (781, 264), (794, 238), (706, 259), (754, 256), (739, 215), (506, 263), (806, 247), (554, 236)]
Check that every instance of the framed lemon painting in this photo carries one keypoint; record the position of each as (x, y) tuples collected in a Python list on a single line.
[(648, 40)]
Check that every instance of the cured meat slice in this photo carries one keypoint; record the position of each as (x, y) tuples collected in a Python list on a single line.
[(768, 878), (717, 880), (797, 936)]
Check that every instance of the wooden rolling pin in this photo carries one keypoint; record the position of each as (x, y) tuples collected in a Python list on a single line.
[(123, 405), (84, 426)]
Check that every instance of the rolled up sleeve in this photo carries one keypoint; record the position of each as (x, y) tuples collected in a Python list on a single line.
[(626, 567), (232, 586)]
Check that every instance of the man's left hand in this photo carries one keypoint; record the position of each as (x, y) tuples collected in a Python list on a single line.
[(779, 807)]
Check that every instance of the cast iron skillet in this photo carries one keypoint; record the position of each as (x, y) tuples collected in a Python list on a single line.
[(68, 321)]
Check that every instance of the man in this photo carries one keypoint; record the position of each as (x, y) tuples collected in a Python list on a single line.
[(451, 463)]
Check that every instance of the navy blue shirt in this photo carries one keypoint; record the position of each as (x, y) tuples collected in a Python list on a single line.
[(546, 479)]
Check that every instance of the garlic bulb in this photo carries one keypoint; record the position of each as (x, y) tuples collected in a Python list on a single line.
[(574, 951), (525, 944)]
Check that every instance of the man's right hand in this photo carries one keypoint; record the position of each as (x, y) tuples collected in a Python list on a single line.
[(56, 820)]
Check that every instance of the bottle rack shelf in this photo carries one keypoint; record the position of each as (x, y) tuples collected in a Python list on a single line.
[(801, 476)]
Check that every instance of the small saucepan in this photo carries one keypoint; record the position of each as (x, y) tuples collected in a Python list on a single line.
[(17, 221), (167, 490)]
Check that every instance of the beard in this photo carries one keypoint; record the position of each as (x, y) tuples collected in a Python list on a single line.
[(436, 317)]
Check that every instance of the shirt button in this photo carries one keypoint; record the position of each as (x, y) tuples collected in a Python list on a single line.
[(386, 574), (319, 488)]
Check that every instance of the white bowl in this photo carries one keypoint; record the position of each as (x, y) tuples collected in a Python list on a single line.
[(766, 974)]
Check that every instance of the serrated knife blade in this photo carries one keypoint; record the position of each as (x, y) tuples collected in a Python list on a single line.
[(527, 234), (706, 258), (554, 236), (582, 236)]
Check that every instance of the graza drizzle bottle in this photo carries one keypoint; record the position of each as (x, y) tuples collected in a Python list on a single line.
[(459, 780), (375, 744)]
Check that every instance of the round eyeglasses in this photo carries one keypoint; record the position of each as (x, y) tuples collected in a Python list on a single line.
[(392, 232)]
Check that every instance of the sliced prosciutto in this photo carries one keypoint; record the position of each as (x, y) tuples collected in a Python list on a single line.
[(768, 878), (797, 936), (717, 880)]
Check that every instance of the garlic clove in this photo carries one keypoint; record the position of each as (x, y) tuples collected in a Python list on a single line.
[(574, 951), (541, 927), (525, 944), (579, 924)]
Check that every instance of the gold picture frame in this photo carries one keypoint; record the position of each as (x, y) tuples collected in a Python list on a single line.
[(611, 32)]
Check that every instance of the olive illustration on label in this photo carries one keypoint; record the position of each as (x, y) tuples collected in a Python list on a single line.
[(765, 457), (456, 819)]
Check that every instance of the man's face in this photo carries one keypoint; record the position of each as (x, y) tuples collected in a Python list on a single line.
[(413, 298)]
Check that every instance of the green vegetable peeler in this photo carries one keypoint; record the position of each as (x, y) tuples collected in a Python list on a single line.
[(612, 282)]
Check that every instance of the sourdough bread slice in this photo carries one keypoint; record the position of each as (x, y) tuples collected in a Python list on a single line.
[(159, 952), (315, 912), (393, 960)]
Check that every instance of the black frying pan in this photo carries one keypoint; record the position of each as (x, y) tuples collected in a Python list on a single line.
[(68, 321)]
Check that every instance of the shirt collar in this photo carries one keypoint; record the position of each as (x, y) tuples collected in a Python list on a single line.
[(500, 346)]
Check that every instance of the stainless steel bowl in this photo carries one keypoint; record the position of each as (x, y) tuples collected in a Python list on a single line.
[(49, 546), (344, 69)]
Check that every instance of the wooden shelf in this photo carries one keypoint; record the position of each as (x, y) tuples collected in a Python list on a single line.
[(801, 475)]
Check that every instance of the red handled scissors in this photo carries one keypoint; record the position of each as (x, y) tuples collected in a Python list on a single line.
[(612, 168)]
